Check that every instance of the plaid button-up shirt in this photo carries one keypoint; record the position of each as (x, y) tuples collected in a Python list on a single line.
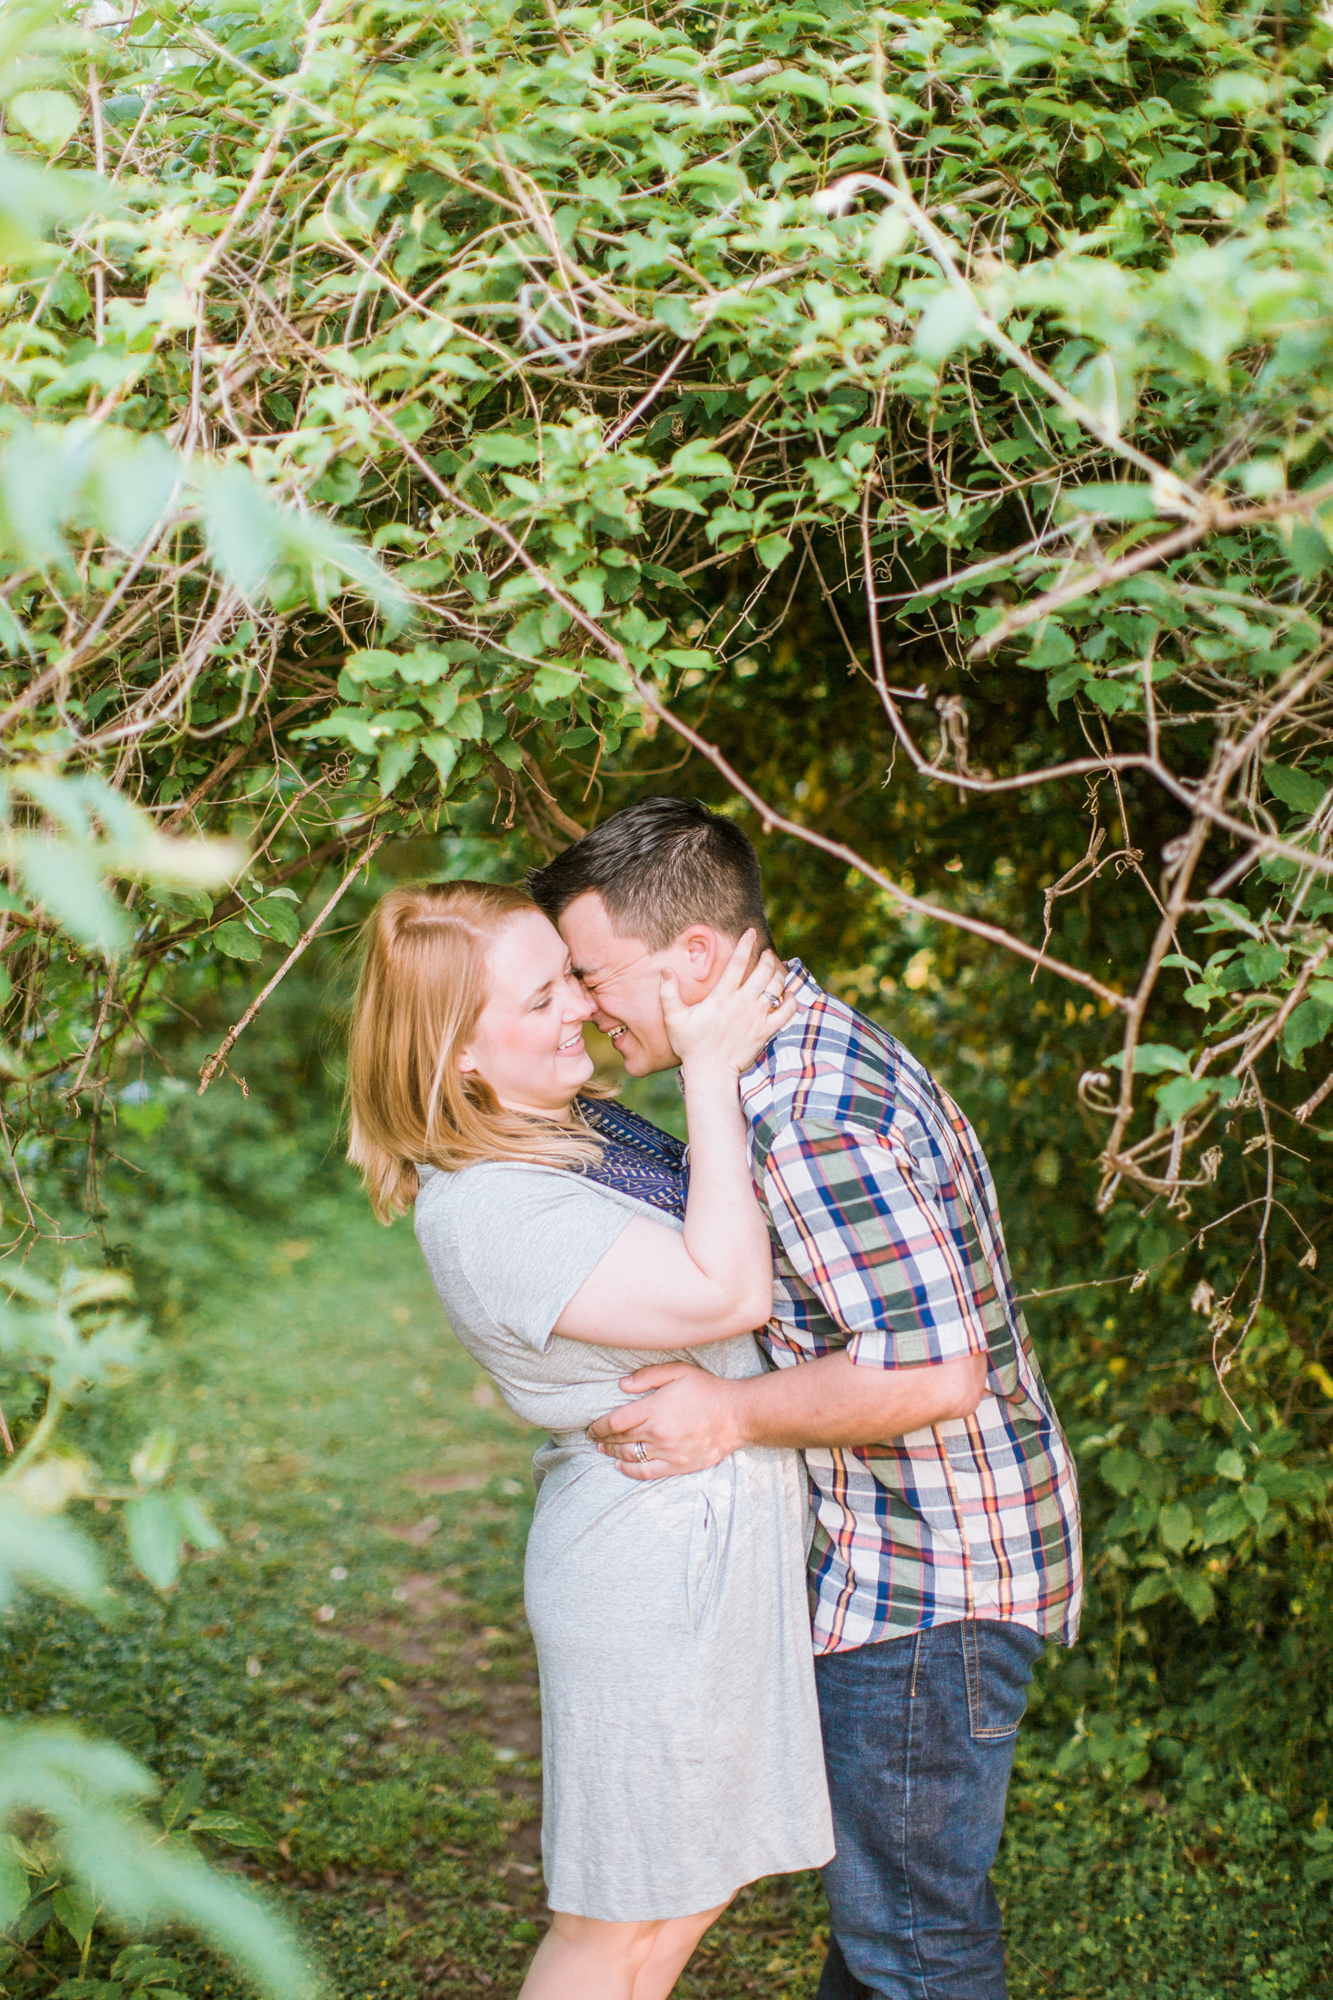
[(888, 1244)]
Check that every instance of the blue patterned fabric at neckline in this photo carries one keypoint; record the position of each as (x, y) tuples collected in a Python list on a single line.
[(637, 1157)]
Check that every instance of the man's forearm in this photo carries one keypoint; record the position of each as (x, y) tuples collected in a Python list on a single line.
[(833, 1401), (685, 1419)]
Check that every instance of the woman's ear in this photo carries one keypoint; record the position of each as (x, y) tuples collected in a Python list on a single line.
[(465, 1061)]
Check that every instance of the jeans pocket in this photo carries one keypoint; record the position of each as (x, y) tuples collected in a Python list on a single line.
[(998, 1659)]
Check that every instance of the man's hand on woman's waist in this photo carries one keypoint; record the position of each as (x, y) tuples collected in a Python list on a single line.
[(693, 1419)]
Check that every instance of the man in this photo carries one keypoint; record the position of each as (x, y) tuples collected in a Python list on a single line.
[(946, 1540)]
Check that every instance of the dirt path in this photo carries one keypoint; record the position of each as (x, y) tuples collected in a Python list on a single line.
[(352, 1672)]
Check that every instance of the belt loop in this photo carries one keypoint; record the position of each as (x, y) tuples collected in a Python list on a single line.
[(916, 1663)]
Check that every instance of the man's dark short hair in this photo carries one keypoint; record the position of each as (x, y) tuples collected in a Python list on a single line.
[(660, 866)]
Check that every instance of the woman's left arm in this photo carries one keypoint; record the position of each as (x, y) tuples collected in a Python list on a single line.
[(654, 1288)]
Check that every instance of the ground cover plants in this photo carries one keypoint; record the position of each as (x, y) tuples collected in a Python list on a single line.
[(423, 428), (349, 1677)]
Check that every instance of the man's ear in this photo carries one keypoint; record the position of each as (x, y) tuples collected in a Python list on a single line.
[(704, 952)]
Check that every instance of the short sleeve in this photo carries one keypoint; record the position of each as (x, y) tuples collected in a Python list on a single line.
[(523, 1240), (875, 1245)]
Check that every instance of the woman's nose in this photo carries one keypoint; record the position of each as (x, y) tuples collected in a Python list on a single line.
[(579, 1003)]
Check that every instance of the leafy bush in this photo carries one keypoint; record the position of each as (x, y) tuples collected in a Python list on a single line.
[(75, 1847), (417, 419)]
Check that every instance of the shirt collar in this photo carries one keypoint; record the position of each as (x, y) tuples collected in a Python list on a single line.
[(807, 991), (801, 982)]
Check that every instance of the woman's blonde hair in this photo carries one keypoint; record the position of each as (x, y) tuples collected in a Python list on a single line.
[(423, 983)]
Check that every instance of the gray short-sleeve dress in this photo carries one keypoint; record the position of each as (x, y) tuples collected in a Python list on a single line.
[(680, 1732)]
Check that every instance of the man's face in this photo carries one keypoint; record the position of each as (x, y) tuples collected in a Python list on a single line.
[(625, 980)]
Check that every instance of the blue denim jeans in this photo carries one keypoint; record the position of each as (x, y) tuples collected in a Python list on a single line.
[(919, 1740)]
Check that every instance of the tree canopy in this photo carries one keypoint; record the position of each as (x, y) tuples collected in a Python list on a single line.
[(417, 419)]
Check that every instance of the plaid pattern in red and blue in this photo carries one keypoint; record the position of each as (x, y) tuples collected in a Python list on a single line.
[(888, 1243)]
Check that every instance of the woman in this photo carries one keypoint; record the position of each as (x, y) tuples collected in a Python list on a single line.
[(680, 1734)]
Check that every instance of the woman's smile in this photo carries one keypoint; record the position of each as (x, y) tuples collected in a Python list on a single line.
[(532, 991)]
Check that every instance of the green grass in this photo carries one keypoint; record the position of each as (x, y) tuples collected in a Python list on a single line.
[(352, 1671)]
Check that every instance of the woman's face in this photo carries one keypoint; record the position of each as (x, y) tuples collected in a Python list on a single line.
[(528, 1040)]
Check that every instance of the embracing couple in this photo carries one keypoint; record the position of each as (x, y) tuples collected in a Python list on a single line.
[(885, 1435)]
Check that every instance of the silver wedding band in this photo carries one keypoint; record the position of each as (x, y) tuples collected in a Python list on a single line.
[(641, 1451)]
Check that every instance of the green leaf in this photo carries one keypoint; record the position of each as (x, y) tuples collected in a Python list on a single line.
[(1224, 915), (891, 233), (1263, 962), (697, 460), (39, 1551), (153, 1460), (443, 752), (194, 1524), (500, 448), (1229, 1465), (1111, 696), (1150, 1589), (282, 918), (796, 82), (180, 1801), (1175, 1525), (772, 550), (674, 311), (32, 198), (1054, 647), (66, 880), (395, 761), (1119, 501), (155, 1538), (1306, 1026), (947, 323), (678, 498), (48, 116), (1176, 1099), (239, 524), (76, 1910), (1120, 1469), (1196, 1593), (554, 684), (586, 590), (1297, 789), (236, 941), (129, 485), (1224, 1519), (1152, 1058), (352, 724), (249, 538), (141, 1965), (1237, 93), (236, 1832)]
